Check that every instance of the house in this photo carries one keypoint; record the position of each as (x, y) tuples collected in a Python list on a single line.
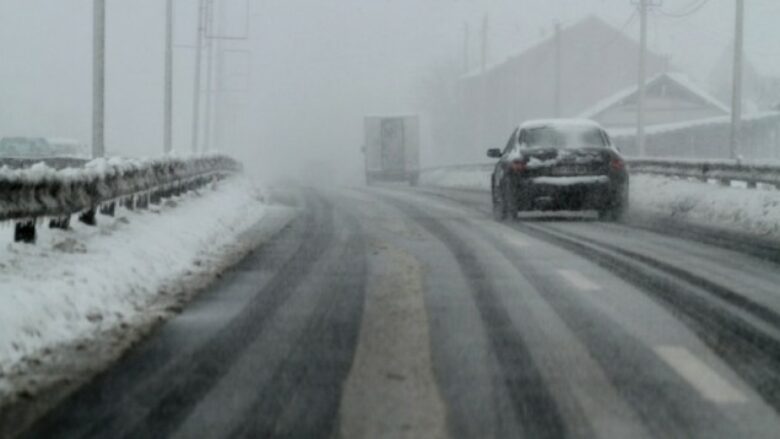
[(670, 98), (562, 75)]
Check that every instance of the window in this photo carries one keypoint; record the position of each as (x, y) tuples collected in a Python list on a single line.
[(564, 137), (511, 143)]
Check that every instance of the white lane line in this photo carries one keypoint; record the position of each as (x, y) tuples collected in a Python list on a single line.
[(578, 280), (702, 377)]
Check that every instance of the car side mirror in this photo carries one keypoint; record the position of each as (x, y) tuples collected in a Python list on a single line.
[(494, 153)]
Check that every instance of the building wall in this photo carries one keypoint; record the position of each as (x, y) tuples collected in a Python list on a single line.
[(597, 61), (759, 139), (659, 111)]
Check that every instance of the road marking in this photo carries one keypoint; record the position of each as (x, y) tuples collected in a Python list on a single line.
[(702, 377), (391, 390), (517, 241), (578, 280)]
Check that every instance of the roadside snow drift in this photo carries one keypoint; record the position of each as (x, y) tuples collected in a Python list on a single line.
[(468, 178), (78, 282), (754, 211)]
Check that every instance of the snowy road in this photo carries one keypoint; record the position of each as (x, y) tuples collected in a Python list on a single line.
[(390, 312)]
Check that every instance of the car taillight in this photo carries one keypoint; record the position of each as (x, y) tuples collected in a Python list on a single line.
[(617, 165), (519, 166)]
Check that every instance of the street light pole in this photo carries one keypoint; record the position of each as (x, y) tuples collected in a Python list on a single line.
[(466, 42), (558, 70), (640, 111), (219, 79), (197, 87), (98, 78), (209, 73), (736, 96), (168, 122)]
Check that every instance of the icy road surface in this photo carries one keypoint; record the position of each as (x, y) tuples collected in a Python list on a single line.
[(391, 312)]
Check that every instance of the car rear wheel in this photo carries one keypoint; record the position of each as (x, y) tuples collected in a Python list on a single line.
[(615, 211), (509, 202), (611, 214), (499, 211)]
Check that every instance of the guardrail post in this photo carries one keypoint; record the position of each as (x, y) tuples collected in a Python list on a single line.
[(24, 231), (108, 209), (752, 185), (142, 202), (88, 217), (62, 222)]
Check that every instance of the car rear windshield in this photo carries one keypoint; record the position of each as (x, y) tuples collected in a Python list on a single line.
[(564, 138)]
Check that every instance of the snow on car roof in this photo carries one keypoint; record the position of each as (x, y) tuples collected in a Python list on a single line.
[(561, 123)]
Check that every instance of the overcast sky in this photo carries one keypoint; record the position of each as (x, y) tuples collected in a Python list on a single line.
[(315, 66)]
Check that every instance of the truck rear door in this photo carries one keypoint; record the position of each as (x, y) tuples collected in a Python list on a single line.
[(393, 145)]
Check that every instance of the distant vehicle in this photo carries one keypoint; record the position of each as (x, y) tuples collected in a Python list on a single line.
[(559, 164), (42, 148), (392, 148)]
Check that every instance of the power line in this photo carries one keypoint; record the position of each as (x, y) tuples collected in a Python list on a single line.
[(687, 11), (621, 33)]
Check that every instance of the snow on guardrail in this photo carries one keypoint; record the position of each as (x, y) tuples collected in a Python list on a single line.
[(40, 191), (52, 162), (725, 171)]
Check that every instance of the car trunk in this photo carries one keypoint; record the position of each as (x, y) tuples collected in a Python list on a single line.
[(550, 162)]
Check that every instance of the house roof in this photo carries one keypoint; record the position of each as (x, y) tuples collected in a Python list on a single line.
[(573, 30), (679, 79)]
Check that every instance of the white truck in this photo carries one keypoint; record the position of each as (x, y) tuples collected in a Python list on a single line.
[(392, 148)]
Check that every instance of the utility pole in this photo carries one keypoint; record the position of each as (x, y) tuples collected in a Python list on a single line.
[(99, 79), (736, 96), (484, 60), (168, 105), (640, 110), (219, 86), (466, 38), (483, 82), (209, 70), (558, 69), (198, 64)]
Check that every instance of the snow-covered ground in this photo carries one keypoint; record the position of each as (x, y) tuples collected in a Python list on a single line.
[(470, 179), (754, 211), (76, 284)]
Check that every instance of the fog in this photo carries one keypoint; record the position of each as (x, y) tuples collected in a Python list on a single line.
[(312, 69)]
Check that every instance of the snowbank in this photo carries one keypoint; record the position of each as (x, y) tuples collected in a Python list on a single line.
[(78, 282), (465, 178), (754, 211)]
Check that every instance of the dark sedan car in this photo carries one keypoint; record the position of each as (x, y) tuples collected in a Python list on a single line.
[(559, 164)]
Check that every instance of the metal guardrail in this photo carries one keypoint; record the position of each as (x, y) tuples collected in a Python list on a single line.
[(724, 171), (52, 162), (38, 192)]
